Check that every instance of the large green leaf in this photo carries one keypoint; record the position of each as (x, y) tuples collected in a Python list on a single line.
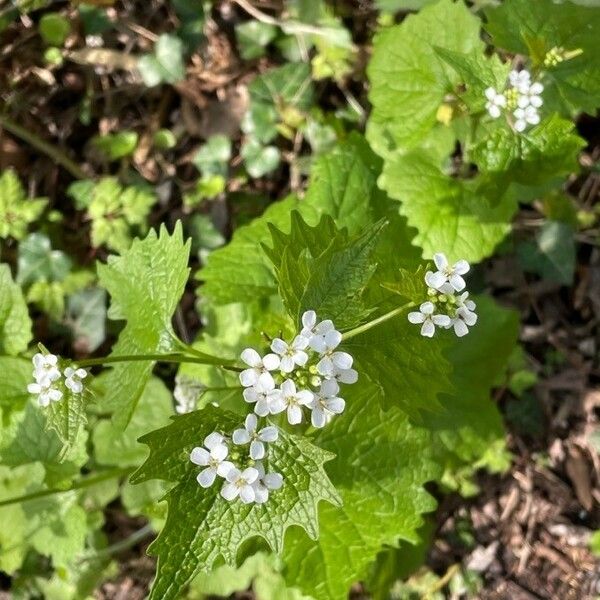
[(463, 219), (409, 80), (201, 526), (381, 465), (15, 375), (535, 28), (145, 284), (15, 324)]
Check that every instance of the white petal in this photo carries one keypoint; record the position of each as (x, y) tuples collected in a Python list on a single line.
[(294, 414), (416, 317), (341, 360), (287, 364), (249, 377), (427, 308), (333, 339), (288, 388), (440, 260), (520, 125), (348, 376), (265, 380), (305, 397), (270, 362), (428, 329), (224, 468), (250, 394), (69, 372), (233, 475), (441, 320), (533, 119), (309, 319), (276, 405), (536, 101), (457, 282), (55, 395), (317, 343), (213, 439), (206, 477), (523, 101), (39, 361), (330, 387), (43, 400), (461, 267), (262, 407), (536, 88), (490, 93), (250, 474), (300, 343), (240, 437), (251, 422), (34, 388), (219, 452), (279, 346), (261, 493), (269, 434), (81, 373), (251, 357), (300, 357), (318, 418), (335, 405), (247, 494), (199, 456), (257, 450), (230, 491), (273, 480), (494, 112), (460, 327)]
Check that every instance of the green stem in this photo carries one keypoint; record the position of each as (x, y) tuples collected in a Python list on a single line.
[(170, 358), (128, 542), (53, 152), (375, 322), (77, 485)]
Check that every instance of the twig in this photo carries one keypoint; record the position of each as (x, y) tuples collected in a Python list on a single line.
[(57, 155)]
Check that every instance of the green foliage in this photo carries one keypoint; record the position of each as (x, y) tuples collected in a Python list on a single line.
[(145, 284), (114, 210), (166, 64), (252, 37), (201, 526), (54, 29), (86, 317), (15, 324), (114, 146), (213, 157), (258, 159), (16, 210), (15, 374)]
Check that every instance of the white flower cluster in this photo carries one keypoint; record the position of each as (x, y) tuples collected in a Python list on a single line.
[(447, 307), (521, 100), (304, 373), (48, 385)]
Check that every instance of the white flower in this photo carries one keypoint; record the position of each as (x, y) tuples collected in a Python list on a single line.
[(332, 361), (294, 400), (521, 80), (259, 367), (291, 354), (446, 273), (73, 379), (496, 102), (464, 319), (212, 456), (256, 439), (264, 483), (322, 332), (526, 116), (325, 404), (531, 97), (45, 368), (260, 394), (45, 393), (463, 301), (239, 483), (428, 319)]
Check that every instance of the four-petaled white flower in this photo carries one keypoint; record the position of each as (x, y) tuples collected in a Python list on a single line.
[(45, 368), (446, 273), (212, 456), (259, 367), (463, 320), (45, 393), (73, 379), (291, 354), (496, 102), (293, 400), (265, 483), (256, 439), (463, 301), (429, 320), (240, 483), (526, 116), (531, 97), (520, 80), (323, 336), (261, 395), (326, 403)]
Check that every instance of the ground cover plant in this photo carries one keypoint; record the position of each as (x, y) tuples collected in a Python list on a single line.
[(299, 299)]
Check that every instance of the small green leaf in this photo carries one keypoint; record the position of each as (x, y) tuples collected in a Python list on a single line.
[(259, 159), (166, 64), (145, 285), (15, 324), (15, 375), (260, 122), (16, 210), (253, 37), (288, 85), (164, 139), (116, 145), (553, 254), (38, 262), (54, 29), (201, 526), (213, 157)]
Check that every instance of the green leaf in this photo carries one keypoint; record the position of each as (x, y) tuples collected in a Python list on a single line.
[(117, 448), (67, 416), (38, 262), (260, 122), (535, 28), (552, 256), (320, 269), (213, 157), (252, 38), (166, 64), (285, 86), (410, 286), (450, 215), (114, 146), (409, 80), (15, 375), (382, 463), (16, 210), (54, 29), (549, 150), (15, 324), (145, 284), (201, 526), (258, 159), (86, 317)]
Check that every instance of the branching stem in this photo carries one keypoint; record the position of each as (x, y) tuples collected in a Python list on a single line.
[(375, 322)]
